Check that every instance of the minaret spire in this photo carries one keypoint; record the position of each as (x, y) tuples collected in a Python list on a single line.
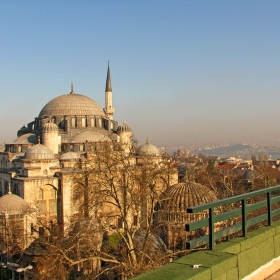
[(108, 80), (109, 109)]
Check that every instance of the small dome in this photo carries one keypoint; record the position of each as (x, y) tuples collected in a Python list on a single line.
[(50, 126), (90, 136), (12, 204), (250, 175), (71, 104), (154, 245), (183, 195), (70, 156), (148, 150), (39, 151), (124, 127), (23, 130), (29, 138)]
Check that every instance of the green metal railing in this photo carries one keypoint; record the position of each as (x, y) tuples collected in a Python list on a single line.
[(245, 204)]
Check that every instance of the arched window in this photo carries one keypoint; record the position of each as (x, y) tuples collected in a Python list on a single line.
[(77, 198), (82, 148), (62, 123), (83, 122), (16, 190), (74, 122), (92, 122), (41, 194), (6, 187), (47, 203)]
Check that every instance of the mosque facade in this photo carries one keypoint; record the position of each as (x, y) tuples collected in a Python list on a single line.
[(38, 165), (37, 170)]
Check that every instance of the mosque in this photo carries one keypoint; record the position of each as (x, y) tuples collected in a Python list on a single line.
[(35, 167)]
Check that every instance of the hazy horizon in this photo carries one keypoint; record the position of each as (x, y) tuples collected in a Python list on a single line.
[(182, 71)]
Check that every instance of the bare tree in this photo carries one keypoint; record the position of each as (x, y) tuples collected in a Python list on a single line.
[(115, 198)]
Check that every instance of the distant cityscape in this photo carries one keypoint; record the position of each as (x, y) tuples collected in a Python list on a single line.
[(241, 150)]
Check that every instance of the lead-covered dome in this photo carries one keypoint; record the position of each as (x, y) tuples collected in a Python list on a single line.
[(90, 136), (12, 204), (23, 130), (124, 128), (176, 199), (29, 138), (50, 126), (183, 195), (71, 104), (70, 156), (148, 149), (38, 152)]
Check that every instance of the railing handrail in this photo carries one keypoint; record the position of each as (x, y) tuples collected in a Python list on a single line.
[(212, 218), (206, 206)]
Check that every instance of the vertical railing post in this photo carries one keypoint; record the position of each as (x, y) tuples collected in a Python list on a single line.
[(269, 209), (244, 217), (211, 228)]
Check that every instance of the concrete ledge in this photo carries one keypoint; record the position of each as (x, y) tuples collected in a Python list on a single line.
[(256, 256)]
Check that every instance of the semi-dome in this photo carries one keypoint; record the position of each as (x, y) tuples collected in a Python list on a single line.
[(183, 195), (71, 104), (50, 126), (124, 128), (12, 204), (148, 149), (90, 136), (29, 138), (39, 151), (70, 156)]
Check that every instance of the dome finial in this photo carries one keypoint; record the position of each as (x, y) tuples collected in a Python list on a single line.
[(72, 88), (147, 140), (9, 189), (39, 140)]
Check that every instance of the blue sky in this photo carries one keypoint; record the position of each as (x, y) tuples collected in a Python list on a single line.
[(182, 71)]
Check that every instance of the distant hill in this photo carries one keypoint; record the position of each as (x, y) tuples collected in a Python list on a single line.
[(242, 150)]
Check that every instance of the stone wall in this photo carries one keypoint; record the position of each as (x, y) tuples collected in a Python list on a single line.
[(233, 259)]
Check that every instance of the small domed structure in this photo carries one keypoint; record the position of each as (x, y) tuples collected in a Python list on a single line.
[(70, 156), (250, 175), (154, 245), (39, 152), (172, 216), (148, 149), (12, 204), (50, 126), (180, 196), (90, 136), (23, 130), (124, 128)]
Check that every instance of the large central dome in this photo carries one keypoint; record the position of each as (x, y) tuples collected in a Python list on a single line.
[(71, 104)]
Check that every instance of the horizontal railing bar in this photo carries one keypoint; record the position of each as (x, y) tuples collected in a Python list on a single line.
[(240, 197), (256, 206), (198, 242), (275, 199)]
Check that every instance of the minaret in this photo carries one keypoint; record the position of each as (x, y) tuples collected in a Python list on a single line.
[(109, 109)]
